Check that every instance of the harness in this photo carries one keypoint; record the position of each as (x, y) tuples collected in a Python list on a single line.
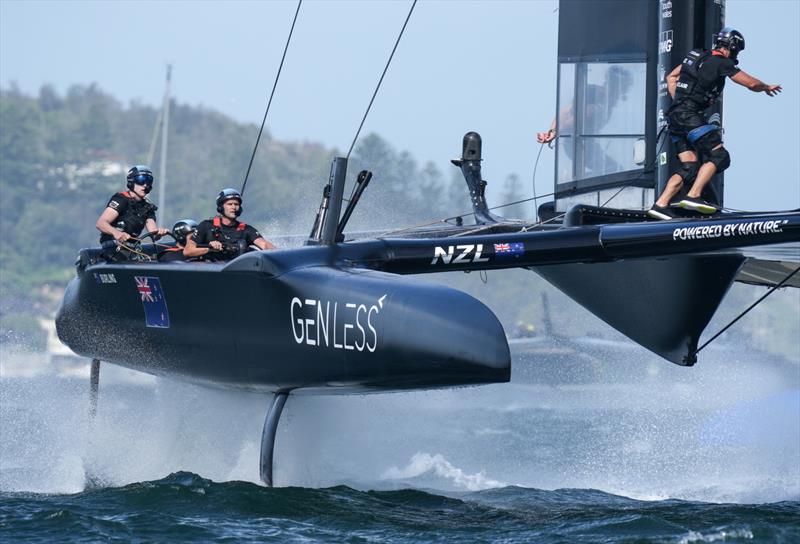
[(699, 132), (233, 243), (217, 224), (689, 79)]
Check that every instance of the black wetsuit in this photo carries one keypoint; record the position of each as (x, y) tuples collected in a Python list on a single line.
[(133, 215), (700, 83), (235, 238)]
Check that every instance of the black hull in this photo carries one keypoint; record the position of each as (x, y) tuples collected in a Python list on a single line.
[(310, 328)]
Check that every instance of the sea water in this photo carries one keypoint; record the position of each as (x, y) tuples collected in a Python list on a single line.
[(577, 451)]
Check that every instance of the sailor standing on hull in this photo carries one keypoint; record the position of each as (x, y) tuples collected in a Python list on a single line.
[(694, 85), (226, 237), (127, 213)]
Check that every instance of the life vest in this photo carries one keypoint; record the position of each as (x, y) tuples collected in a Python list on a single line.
[(134, 217), (217, 230), (690, 88), (227, 237), (232, 240)]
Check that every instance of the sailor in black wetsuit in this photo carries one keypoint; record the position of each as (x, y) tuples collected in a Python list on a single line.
[(183, 229), (694, 85), (224, 236), (127, 213)]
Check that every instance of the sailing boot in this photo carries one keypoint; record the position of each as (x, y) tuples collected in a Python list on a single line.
[(698, 205), (661, 212)]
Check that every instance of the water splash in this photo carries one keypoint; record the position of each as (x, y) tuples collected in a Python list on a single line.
[(422, 464)]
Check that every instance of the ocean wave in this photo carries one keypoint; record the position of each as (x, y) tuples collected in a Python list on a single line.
[(185, 507), (422, 464)]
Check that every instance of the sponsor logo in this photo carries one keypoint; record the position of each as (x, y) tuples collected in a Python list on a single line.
[(666, 9), (331, 324), (748, 228), (662, 158), (665, 42), (683, 85), (113, 204), (104, 278), (662, 121), (467, 253)]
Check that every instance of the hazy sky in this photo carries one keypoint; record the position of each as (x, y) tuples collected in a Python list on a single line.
[(462, 65)]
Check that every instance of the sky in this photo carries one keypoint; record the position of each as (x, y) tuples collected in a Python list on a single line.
[(462, 65)]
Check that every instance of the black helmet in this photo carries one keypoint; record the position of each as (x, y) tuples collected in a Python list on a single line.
[(182, 229), (140, 175), (731, 39), (229, 194)]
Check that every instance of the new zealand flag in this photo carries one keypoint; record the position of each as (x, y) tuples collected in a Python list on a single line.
[(505, 249), (153, 301)]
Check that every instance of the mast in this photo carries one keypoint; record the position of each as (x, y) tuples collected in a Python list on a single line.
[(162, 171), (612, 100), (605, 145)]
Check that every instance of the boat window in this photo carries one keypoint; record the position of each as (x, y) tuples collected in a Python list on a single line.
[(566, 97), (601, 117)]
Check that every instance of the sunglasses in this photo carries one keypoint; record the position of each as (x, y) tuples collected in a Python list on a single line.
[(143, 179)]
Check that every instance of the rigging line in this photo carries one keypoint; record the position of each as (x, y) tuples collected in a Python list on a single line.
[(396, 43), (533, 181), (753, 305), (648, 169), (447, 219), (269, 102)]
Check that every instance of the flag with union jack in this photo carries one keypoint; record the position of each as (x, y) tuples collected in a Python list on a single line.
[(153, 301), (506, 249)]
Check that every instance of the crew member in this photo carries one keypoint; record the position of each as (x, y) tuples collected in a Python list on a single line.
[(694, 85), (183, 229), (224, 237), (127, 213)]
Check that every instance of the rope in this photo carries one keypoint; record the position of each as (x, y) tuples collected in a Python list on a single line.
[(133, 250), (741, 315), (269, 103), (533, 182), (374, 94)]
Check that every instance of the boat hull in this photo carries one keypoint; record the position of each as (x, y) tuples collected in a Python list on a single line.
[(314, 328)]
